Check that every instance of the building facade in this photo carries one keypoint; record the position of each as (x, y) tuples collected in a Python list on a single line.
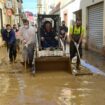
[(10, 12), (39, 6), (92, 14), (19, 12), (55, 7), (1, 14)]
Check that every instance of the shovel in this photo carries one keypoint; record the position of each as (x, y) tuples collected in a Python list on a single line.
[(75, 71)]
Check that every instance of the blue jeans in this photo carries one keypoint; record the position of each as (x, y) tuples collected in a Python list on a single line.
[(12, 51), (49, 43)]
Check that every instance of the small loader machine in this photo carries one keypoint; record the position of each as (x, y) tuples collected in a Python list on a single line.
[(48, 59)]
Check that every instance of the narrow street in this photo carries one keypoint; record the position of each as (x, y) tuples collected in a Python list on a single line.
[(19, 87), (52, 52)]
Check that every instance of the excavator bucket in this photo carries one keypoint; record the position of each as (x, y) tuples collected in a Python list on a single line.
[(53, 63)]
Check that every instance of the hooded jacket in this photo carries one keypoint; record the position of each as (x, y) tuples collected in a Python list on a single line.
[(9, 37)]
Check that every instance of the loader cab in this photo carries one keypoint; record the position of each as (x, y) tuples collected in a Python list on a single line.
[(48, 26), (50, 56), (49, 37)]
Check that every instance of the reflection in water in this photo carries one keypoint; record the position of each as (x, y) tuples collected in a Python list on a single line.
[(87, 82), (4, 84), (71, 96), (21, 88), (65, 97), (49, 88)]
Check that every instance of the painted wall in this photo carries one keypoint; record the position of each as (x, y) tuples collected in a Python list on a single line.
[(0, 26), (78, 5), (48, 5), (5, 18), (104, 27)]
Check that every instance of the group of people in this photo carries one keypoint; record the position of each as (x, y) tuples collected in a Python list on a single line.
[(26, 35), (9, 36), (76, 35), (49, 38)]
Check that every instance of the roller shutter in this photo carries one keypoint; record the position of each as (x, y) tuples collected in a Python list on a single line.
[(95, 23)]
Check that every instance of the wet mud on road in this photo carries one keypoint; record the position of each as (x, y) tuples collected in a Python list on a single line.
[(95, 59), (19, 87)]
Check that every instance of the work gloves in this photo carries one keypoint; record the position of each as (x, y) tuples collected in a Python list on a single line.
[(76, 44), (26, 45)]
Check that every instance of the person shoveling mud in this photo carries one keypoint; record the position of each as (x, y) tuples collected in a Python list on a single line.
[(76, 36)]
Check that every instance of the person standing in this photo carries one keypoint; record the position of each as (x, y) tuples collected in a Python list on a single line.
[(10, 39), (28, 39), (63, 33), (76, 36), (17, 37), (15, 28)]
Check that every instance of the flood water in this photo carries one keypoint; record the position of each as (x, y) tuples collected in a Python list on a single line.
[(19, 87)]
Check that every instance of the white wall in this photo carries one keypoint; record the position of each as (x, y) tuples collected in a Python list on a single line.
[(104, 27), (0, 28), (77, 5), (71, 8), (86, 3)]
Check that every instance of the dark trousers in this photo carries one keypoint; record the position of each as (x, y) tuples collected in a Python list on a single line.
[(73, 52), (49, 43), (12, 51), (17, 44), (28, 53)]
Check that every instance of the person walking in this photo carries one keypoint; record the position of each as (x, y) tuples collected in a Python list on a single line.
[(28, 39), (10, 39), (17, 37)]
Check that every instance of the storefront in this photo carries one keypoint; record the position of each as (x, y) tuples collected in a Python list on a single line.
[(92, 14), (95, 26)]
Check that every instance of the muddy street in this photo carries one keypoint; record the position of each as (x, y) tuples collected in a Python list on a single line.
[(19, 87)]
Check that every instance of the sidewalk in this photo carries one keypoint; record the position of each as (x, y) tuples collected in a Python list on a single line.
[(94, 59)]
